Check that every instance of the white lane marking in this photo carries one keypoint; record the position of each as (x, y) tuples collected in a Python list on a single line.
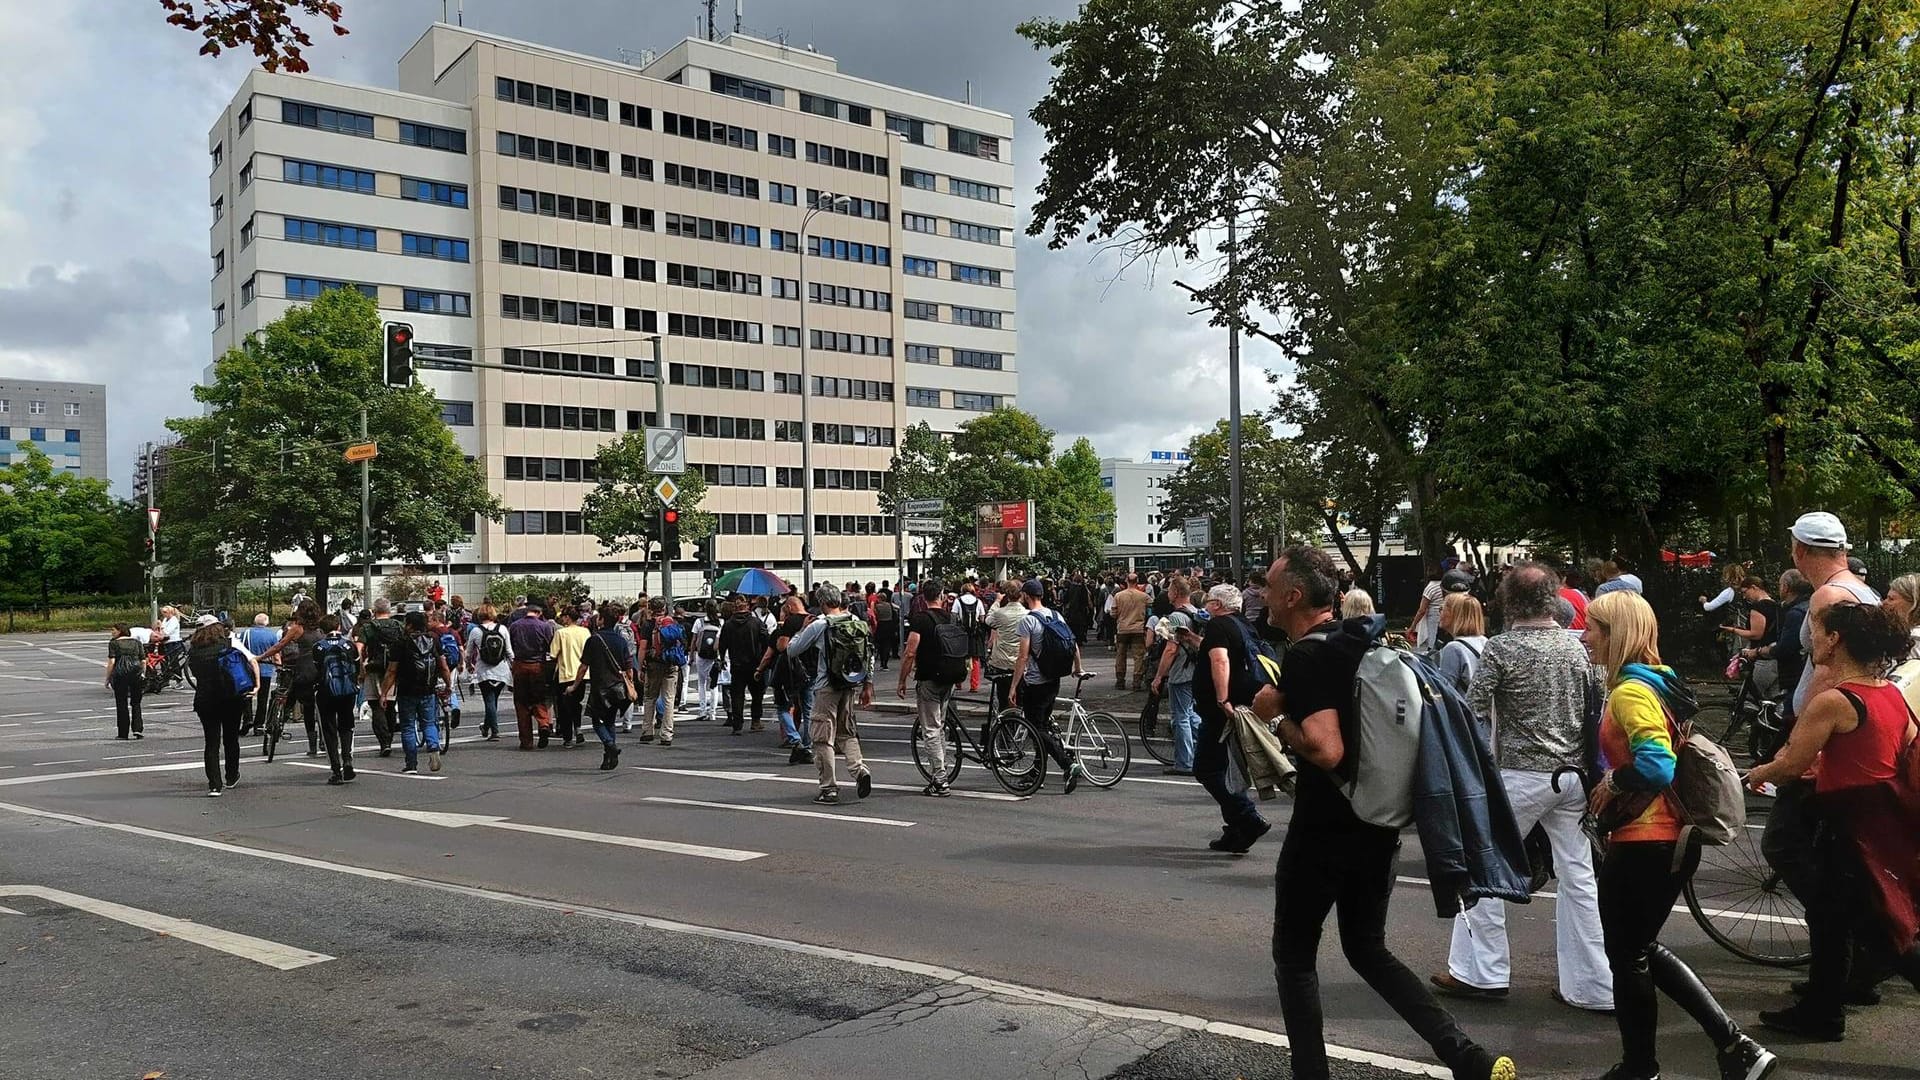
[(68, 761), (94, 709), (910, 967), (46, 678), (123, 770), (124, 757), (780, 810), (5, 910), (485, 821), (357, 772), (1711, 913), (259, 950), (722, 774), (13, 725), (68, 655), (55, 720)]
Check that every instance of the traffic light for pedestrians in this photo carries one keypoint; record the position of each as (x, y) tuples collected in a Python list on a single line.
[(703, 553), (399, 354), (670, 531)]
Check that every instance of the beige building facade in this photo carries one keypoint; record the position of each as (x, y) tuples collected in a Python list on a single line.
[(554, 213)]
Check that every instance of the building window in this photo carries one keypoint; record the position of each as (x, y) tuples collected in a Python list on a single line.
[(564, 312), (919, 223), (745, 88), (433, 247), (305, 288), (724, 232), (787, 336), (974, 275), (690, 127), (973, 358), (780, 146), (975, 402), (920, 267), (219, 209), (842, 158), (219, 263), (636, 116), (548, 97), (720, 183), (246, 292), (783, 193), (783, 240), (828, 248), (980, 234), (548, 204), (246, 175), (925, 398), (37, 408), (456, 413), (550, 152), (246, 235), (920, 309), (836, 110), (846, 296), (976, 317), (546, 257), (914, 130), (73, 435), (219, 154), (968, 189), (340, 120), (557, 417), (327, 176), (38, 434), (302, 231), (5, 405), (914, 178), (923, 354), (862, 208), (73, 408), (433, 191), (219, 316), (437, 303), (973, 143), (246, 116)]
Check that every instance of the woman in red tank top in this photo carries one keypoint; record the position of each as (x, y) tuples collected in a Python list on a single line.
[(1850, 737)]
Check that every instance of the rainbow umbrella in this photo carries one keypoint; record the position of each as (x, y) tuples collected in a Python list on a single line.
[(751, 581)]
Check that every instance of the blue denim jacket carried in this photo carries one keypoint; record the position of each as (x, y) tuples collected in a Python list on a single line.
[(1472, 845)]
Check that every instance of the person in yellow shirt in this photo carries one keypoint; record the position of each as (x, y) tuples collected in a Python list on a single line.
[(569, 642)]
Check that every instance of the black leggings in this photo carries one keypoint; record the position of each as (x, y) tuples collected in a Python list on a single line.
[(126, 703), (1638, 887), (220, 723), (336, 729), (737, 699)]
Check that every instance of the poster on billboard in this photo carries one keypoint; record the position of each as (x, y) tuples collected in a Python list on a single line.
[(1004, 530)]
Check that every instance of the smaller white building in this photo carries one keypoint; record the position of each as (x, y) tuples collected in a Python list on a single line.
[(1138, 489)]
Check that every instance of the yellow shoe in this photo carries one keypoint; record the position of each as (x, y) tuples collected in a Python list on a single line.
[(1503, 1069)]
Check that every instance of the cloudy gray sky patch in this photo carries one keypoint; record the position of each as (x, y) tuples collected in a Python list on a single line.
[(103, 197)]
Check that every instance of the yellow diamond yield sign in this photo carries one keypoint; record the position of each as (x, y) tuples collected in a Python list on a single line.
[(667, 490)]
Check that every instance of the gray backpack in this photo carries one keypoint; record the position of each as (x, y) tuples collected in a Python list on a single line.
[(1389, 702)]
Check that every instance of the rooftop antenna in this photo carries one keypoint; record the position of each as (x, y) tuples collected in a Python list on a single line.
[(739, 7), (969, 91), (710, 30), (460, 13)]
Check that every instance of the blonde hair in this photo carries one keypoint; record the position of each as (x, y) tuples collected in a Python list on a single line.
[(1356, 604), (1908, 586), (1633, 634), (1462, 616)]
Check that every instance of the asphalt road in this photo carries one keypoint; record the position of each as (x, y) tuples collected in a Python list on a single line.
[(1088, 935)]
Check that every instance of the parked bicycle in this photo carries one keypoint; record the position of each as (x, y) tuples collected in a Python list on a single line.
[(165, 670)]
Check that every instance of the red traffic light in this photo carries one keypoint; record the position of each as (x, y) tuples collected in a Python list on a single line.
[(671, 517), (402, 335)]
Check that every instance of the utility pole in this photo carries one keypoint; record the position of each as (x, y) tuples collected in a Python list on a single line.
[(660, 420), (1235, 452), (153, 545), (366, 522)]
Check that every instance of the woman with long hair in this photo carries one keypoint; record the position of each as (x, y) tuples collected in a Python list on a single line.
[(1642, 874), (126, 677), (1903, 599), (1851, 737), (219, 709)]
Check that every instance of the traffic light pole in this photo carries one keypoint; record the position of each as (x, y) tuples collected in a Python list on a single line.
[(153, 547), (366, 521)]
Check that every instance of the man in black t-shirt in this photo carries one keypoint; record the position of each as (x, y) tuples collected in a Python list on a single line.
[(1331, 860), (792, 683), (920, 662), (1222, 681)]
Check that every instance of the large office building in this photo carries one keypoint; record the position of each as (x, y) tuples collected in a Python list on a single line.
[(554, 213), (67, 421)]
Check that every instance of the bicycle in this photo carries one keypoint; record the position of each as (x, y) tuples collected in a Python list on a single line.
[(1761, 716), (1156, 731), (1095, 741), (1742, 904), (165, 669), (278, 700), (1013, 754)]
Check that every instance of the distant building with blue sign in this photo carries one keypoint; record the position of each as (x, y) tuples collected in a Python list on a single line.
[(67, 421)]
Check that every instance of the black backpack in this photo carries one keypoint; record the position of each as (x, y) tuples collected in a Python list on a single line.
[(953, 656), (709, 642), (423, 659), (493, 645), (382, 636)]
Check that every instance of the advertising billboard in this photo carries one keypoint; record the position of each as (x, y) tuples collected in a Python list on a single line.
[(1004, 530)]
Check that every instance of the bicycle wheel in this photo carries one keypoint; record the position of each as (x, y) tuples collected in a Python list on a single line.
[(1156, 734), (1743, 906), (951, 737), (1101, 745), (1016, 754), (1763, 735), (186, 672)]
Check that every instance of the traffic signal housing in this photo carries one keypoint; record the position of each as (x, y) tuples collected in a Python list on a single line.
[(703, 553), (399, 354), (670, 532)]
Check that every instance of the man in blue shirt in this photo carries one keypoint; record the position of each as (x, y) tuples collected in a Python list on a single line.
[(258, 638)]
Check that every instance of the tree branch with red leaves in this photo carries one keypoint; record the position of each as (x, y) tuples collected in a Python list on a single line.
[(265, 25)]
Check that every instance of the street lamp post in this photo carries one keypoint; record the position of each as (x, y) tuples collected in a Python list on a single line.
[(825, 200)]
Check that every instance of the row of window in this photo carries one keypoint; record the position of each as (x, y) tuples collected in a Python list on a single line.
[(39, 408), (302, 231), (549, 204), (746, 88), (549, 97), (700, 228), (842, 158), (636, 168), (961, 316), (874, 254), (545, 522), (325, 119), (315, 174), (845, 296), (732, 475), (835, 479), (740, 524), (862, 344), (959, 140), (556, 417), (437, 303), (547, 360), (547, 257), (855, 389), (638, 116), (837, 525), (713, 131), (968, 358), (718, 427), (530, 148), (433, 247), (717, 378), (836, 110), (38, 434), (306, 288), (837, 434), (720, 183), (433, 191), (714, 279), (871, 209), (637, 269), (433, 138), (564, 312), (558, 470), (783, 193), (706, 326)]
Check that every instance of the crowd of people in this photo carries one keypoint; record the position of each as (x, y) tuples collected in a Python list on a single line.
[(1559, 666)]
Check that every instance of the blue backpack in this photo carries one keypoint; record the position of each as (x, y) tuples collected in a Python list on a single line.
[(671, 649), (339, 667), (1057, 647), (237, 673), (450, 648)]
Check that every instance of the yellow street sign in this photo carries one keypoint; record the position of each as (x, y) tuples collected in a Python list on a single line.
[(365, 451)]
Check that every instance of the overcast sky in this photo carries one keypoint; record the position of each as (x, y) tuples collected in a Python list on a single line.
[(103, 200)]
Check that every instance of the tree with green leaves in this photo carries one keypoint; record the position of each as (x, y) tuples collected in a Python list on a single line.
[(919, 471), (58, 532), (282, 407), (1075, 514), (622, 510)]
